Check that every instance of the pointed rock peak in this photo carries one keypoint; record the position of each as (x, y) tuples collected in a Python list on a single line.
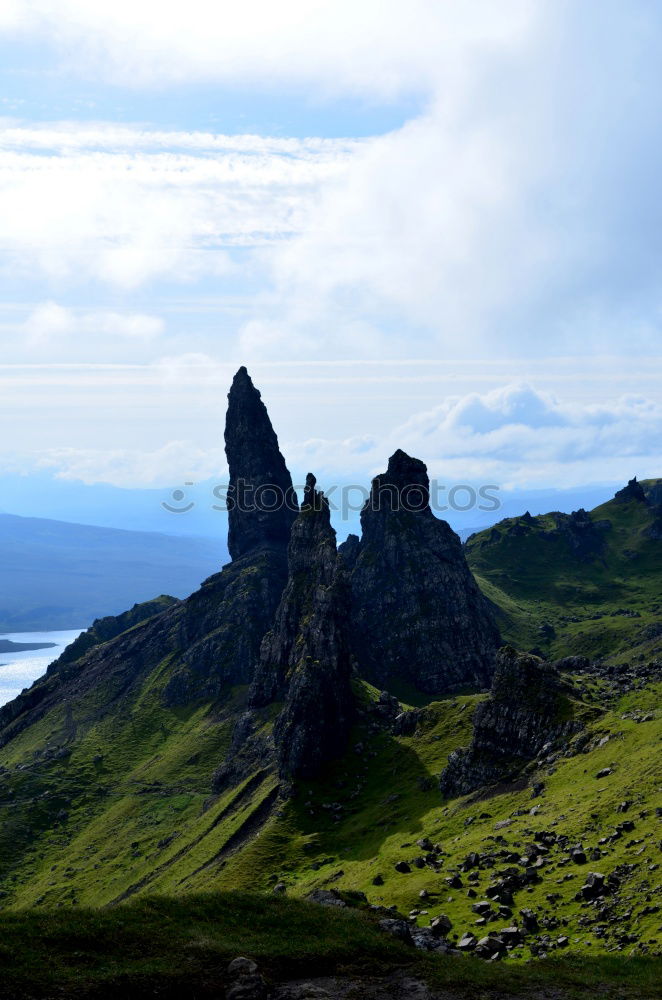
[(313, 499), (348, 551), (402, 468), (633, 491), (261, 502), (404, 486), (309, 491), (242, 386)]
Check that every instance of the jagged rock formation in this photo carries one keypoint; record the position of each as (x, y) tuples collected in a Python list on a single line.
[(225, 620), (633, 491), (349, 551), (417, 613), (305, 658), (527, 709), (262, 504), (585, 537), (220, 632), (283, 618)]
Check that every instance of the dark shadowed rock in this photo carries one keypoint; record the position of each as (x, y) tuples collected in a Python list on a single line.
[(397, 928), (417, 613), (349, 551), (305, 658), (527, 709), (262, 505), (633, 491)]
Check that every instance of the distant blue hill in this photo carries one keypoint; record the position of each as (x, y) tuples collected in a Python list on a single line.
[(59, 575)]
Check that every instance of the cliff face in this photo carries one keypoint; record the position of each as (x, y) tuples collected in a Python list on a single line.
[(304, 665), (527, 709), (417, 613)]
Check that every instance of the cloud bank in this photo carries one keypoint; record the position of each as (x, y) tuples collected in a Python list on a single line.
[(511, 436)]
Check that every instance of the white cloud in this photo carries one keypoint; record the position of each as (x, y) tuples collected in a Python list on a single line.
[(517, 424), (513, 436), (376, 47), (50, 324), (512, 217), (173, 462), (88, 204)]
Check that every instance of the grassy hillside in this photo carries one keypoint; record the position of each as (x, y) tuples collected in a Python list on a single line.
[(181, 947), (128, 811), (593, 589), (106, 798)]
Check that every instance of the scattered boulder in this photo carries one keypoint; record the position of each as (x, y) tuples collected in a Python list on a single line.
[(467, 942), (326, 897), (529, 921), (441, 925), (247, 983), (397, 928)]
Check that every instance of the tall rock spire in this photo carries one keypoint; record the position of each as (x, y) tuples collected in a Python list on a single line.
[(305, 658), (417, 612), (262, 504)]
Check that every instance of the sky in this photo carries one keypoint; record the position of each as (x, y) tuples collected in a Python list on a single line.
[(431, 225)]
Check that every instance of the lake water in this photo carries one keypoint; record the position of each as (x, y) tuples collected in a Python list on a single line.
[(19, 669)]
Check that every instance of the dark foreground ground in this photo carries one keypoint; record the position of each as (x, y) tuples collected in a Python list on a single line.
[(181, 948)]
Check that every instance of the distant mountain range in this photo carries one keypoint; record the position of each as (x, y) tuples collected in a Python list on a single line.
[(58, 575)]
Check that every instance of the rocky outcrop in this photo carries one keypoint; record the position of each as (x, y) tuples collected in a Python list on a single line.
[(262, 504), (349, 551), (104, 629), (633, 491), (585, 537), (527, 709), (417, 613), (305, 658)]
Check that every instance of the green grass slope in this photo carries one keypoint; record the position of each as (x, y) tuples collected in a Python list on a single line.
[(595, 592), (92, 831), (173, 948)]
